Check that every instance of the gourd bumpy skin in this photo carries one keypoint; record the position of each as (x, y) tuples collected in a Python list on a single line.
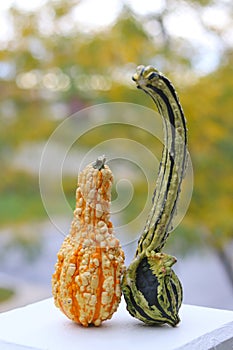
[(152, 291), (86, 282)]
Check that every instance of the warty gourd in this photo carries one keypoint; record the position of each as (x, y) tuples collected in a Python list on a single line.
[(86, 282)]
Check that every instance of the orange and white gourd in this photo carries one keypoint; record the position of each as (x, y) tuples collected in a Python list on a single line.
[(86, 284)]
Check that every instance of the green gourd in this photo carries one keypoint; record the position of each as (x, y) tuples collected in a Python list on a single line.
[(152, 290)]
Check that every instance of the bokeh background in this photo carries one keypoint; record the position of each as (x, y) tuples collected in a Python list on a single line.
[(59, 57)]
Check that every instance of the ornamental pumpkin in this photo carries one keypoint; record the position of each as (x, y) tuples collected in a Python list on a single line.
[(86, 282)]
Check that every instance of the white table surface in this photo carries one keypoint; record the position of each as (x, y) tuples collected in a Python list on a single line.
[(43, 326)]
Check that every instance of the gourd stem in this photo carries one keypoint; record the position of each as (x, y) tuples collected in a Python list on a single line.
[(99, 163)]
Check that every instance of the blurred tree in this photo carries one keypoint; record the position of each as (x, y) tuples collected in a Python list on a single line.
[(50, 67), (211, 130), (208, 106)]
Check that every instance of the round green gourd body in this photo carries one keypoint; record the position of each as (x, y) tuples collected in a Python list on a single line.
[(152, 291)]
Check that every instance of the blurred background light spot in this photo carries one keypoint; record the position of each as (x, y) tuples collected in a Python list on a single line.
[(93, 82), (146, 6), (27, 80), (7, 70), (56, 80), (216, 16), (91, 13), (27, 5)]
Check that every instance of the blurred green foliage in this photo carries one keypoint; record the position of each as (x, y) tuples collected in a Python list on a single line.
[(48, 74), (5, 294), (20, 198)]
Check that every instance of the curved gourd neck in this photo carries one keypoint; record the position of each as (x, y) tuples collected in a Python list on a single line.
[(172, 165)]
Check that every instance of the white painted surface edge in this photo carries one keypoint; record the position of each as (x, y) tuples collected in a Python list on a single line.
[(42, 326)]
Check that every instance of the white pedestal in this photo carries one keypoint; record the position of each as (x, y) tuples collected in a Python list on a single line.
[(43, 326)]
